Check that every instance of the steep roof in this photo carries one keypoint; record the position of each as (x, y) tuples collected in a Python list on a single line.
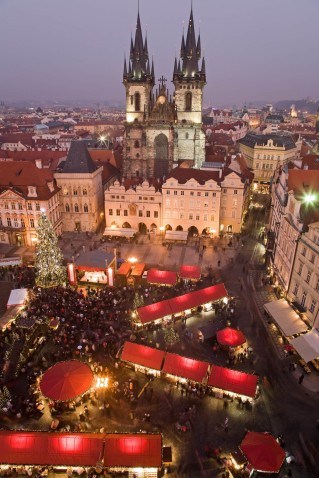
[(78, 159), (281, 141), (18, 175)]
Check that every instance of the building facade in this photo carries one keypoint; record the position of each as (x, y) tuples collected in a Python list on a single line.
[(304, 285), (25, 190), (80, 181), (265, 153), (161, 131)]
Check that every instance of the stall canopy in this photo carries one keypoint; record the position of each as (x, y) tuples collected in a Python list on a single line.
[(94, 260), (233, 381), (143, 355), (138, 269), (230, 337), (307, 345), (17, 297), (189, 272), (286, 318), (124, 269), (66, 380), (80, 449), (263, 452), (130, 451), (176, 236), (119, 232), (155, 276), (152, 312), (185, 367), (181, 303)]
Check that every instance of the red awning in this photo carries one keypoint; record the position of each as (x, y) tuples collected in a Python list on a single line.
[(233, 381), (42, 448), (66, 380), (80, 449), (230, 337), (138, 269), (263, 452), (142, 355), (152, 312), (178, 304), (161, 277), (124, 269), (124, 450), (185, 367), (189, 272)]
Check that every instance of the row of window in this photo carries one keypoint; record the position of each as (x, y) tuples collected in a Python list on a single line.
[(19, 206), (77, 208), (268, 156), (307, 276), (16, 222), (311, 256), (264, 166), (302, 298), (124, 212), (192, 193), (76, 192)]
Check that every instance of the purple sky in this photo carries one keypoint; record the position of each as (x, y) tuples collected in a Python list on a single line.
[(74, 49)]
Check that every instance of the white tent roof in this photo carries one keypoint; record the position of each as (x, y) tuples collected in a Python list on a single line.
[(307, 345), (119, 232), (17, 297), (176, 235), (286, 318)]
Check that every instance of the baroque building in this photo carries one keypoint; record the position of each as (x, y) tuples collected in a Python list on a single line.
[(162, 131)]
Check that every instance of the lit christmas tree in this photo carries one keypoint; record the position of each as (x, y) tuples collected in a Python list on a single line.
[(50, 271)]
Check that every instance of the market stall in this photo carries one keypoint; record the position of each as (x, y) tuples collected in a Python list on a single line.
[(263, 452), (65, 381), (191, 273), (229, 337), (137, 453), (182, 304), (155, 276), (18, 297), (176, 366), (285, 317), (137, 273), (145, 359), (94, 267), (123, 272), (176, 236), (119, 232), (233, 382)]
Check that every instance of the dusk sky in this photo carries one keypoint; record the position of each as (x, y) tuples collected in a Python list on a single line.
[(74, 49)]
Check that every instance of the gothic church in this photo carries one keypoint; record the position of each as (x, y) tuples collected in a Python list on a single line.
[(161, 132)]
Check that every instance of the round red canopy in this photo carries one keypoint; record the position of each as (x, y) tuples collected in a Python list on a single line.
[(263, 452), (66, 380), (230, 337)]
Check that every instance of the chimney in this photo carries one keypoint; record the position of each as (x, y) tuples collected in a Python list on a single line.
[(38, 163)]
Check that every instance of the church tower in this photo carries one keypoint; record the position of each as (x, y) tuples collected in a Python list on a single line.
[(189, 80), (316, 148)]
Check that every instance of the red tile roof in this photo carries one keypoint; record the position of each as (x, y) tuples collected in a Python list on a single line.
[(18, 175)]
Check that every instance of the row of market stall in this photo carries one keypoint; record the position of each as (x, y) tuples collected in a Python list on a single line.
[(183, 304), (132, 272), (113, 451), (304, 341), (161, 363)]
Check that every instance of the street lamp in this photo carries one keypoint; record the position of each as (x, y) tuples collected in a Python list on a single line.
[(132, 260), (310, 198)]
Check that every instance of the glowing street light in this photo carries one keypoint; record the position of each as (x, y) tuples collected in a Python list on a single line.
[(310, 198), (132, 260)]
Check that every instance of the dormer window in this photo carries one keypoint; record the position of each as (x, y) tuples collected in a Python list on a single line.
[(32, 191), (51, 186)]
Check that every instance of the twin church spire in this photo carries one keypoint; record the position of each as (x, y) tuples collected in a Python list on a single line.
[(139, 68)]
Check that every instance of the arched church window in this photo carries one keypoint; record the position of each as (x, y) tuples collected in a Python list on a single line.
[(67, 208), (85, 208), (137, 101), (132, 99), (85, 192), (76, 208), (137, 155), (188, 101), (136, 144), (186, 135)]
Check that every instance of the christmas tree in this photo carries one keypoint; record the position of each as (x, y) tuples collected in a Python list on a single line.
[(171, 337), (50, 271)]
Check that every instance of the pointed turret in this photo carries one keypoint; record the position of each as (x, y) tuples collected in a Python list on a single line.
[(138, 64), (203, 70), (175, 67), (190, 52), (125, 70), (317, 123), (152, 70), (198, 48)]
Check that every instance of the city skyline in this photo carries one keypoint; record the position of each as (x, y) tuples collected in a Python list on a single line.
[(62, 60)]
